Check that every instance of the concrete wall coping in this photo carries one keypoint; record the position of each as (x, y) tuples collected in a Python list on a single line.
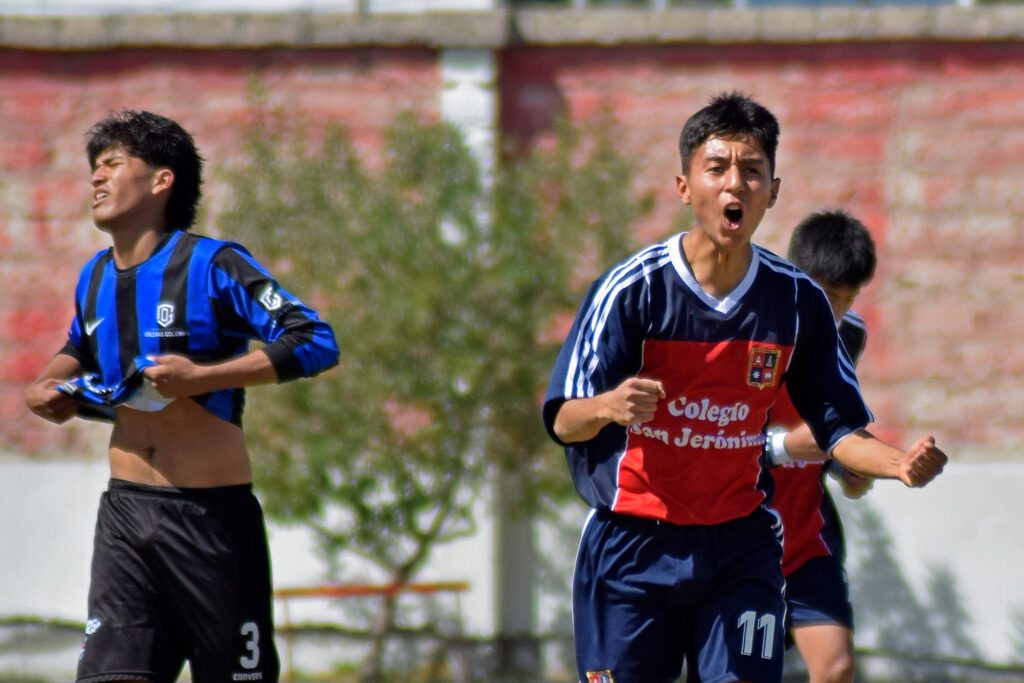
[(504, 28)]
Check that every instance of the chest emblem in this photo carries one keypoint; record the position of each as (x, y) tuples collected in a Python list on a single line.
[(165, 314), (763, 367)]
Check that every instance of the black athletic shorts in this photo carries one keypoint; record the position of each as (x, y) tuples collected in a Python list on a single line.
[(179, 574), (818, 593)]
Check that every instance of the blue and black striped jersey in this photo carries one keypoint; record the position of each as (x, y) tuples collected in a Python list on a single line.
[(722, 364), (198, 297)]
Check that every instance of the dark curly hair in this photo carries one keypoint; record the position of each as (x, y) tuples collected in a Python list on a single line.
[(158, 141)]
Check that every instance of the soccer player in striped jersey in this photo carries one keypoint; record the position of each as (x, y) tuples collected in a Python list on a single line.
[(660, 396), (163, 319), (836, 251)]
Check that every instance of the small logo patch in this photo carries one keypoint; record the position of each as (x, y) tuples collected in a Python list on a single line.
[(165, 314), (763, 367), (92, 626), (600, 676), (91, 326), (271, 299)]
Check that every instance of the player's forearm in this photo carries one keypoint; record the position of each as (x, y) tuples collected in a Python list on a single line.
[(250, 369), (868, 456), (176, 376), (800, 445), (580, 419), (61, 366), (41, 396), (797, 444)]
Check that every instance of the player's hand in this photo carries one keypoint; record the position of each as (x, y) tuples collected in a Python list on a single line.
[(175, 376), (634, 401), (43, 399), (923, 462), (854, 486)]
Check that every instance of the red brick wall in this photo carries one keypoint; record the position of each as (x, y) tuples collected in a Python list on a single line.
[(923, 141), (49, 99)]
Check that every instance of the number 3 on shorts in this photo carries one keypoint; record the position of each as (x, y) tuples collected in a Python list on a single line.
[(252, 633), (750, 624)]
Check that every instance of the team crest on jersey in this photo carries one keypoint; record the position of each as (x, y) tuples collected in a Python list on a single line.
[(763, 367), (165, 314), (600, 677)]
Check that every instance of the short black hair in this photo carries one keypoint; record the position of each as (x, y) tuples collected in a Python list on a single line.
[(729, 113), (834, 248), (158, 141)]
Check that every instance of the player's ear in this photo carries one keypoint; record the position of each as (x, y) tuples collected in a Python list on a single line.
[(683, 189), (163, 179), (775, 191)]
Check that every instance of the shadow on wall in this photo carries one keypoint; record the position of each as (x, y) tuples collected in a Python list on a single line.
[(918, 637)]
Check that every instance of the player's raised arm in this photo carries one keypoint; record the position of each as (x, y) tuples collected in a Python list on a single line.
[(632, 402), (867, 455)]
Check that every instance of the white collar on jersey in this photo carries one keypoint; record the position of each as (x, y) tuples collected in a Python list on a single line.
[(732, 299)]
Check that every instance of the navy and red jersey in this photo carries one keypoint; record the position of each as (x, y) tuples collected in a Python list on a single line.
[(722, 363), (198, 297), (809, 516)]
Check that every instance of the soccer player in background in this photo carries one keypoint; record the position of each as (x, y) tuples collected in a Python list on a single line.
[(660, 396), (159, 342), (837, 252)]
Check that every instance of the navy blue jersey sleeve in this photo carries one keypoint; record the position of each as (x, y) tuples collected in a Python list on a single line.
[(298, 343), (604, 346), (821, 378)]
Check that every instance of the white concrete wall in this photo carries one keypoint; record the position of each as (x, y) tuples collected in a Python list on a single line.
[(968, 520)]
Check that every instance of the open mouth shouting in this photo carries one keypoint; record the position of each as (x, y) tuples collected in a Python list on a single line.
[(734, 214)]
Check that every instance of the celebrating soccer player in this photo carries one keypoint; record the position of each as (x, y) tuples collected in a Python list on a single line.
[(660, 396)]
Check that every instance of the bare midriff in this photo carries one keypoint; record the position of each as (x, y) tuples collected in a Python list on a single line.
[(182, 445)]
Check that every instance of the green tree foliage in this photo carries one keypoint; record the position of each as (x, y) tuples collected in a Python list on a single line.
[(559, 217), (445, 293)]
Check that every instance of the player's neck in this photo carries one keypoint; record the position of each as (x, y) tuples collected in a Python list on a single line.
[(718, 271), (132, 247)]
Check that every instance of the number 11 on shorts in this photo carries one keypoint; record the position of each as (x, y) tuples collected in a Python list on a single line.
[(751, 624)]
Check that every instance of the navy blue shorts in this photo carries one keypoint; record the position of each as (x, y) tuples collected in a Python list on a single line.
[(646, 595), (819, 593), (179, 574)]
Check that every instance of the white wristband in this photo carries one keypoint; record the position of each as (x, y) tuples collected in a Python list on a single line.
[(777, 453)]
